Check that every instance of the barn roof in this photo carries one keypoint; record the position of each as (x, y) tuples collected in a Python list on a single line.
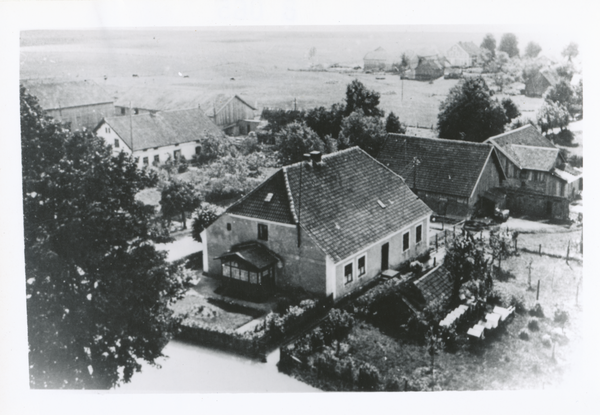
[(550, 76), (161, 99), (377, 54), (349, 201), (436, 284), (470, 47), (535, 158), (445, 166), (216, 103), (55, 95), (163, 128), (527, 135)]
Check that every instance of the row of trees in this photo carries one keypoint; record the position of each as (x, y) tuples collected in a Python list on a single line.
[(358, 121), (509, 44)]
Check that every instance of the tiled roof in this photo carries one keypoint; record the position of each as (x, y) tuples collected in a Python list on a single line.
[(470, 47), (435, 284), (568, 176), (255, 254), (163, 128), (339, 206), (508, 143), (55, 95), (445, 166), (535, 158), (161, 99)]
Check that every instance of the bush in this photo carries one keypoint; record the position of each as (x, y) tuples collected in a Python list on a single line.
[(416, 267), (533, 325), (561, 317), (523, 335), (369, 378), (249, 145), (337, 325), (346, 370), (537, 311), (509, 295), (393, 384)]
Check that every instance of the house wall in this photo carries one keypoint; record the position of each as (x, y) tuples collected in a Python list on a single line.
[(521, 202), (489, 179), (233, 112), (303, 266), (87, 116), (458, 56), (373, 257), (444, 204), (376, 65)]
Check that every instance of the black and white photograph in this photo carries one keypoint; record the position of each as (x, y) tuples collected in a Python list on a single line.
[(299, 207)]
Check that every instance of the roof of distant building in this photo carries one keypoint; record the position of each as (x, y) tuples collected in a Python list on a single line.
[(470, 47), (56, 95), (163, 128), (337, 201), (377, 54), (511, 144), (444, 166), (161, 99)]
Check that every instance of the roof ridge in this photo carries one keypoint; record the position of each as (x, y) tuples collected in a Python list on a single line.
[(254, 190), (510, 132), (447, 140), (538, 147), (289, 194)]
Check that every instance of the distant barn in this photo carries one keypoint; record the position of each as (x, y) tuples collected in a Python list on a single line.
[(538, 84), (377, 60), (428, 69), (464, 54), (232, 113), (80, 103)]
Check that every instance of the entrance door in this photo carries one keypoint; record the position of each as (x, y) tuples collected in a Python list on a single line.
[(385, 255)]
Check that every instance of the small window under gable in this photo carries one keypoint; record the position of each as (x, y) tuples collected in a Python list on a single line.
[(269, 197), (419, 233)]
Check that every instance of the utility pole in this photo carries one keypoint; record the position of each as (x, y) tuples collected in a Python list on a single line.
[(131, 129)]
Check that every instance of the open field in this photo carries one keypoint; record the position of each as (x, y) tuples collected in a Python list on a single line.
[(260, 65)]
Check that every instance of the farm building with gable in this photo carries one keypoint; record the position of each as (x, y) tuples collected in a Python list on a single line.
[(463, 54), (144, 100), (377, 60), (328, 226), (232, 114), (538, 84), (156, 138), (429, 69), (449, 175), (81, 103)]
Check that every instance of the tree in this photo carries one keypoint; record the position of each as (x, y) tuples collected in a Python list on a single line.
[(295, 140), (205, 216), (552, 115), (565, 71), (510, 109), (393, 124), (212, 147), (470, 113), (326, 121), (177, 198), (562, 93), (98, 292), (489, 43), (359, 97), (532, 50), (571, 51), (360, 130), (509, 44)]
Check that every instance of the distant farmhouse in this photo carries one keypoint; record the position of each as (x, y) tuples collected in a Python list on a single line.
[(377, 60), (538, 84), (531, 162), (232, 114), (449, 175), (327, 226), (464, 54), (81, 103), (156, 138)]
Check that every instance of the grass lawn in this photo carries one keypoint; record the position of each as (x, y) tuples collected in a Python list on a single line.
[(553, 243), (503, 361)]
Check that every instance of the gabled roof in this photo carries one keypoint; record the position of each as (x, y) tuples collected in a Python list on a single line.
[(163, 128), (435, 284), (161, 99), (55, 95), (339, 207), (445, 166), (527, 135), (217, 103), (377, 54), (470, 47), (550, 76), (535, 158), (254, 254)]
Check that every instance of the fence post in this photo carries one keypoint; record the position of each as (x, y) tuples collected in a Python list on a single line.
[(445, 244), (568, 249), (434, 258), (537, 296), (436, 242), (540, 251), (581, 244)]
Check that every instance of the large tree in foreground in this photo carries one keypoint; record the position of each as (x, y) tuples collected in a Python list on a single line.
[(97, 289), (471, 113)]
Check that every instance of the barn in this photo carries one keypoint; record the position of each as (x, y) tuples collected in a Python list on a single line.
[(538, 84), (233, 114), (144, 100), (463, 54), (82, 104), (377, 60), (428, 69)]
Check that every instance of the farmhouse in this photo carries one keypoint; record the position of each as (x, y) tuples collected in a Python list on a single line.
[(537, 85), (376, 60), (463, 54), (232, 114), (81, 103), (534, 166), (449, 175), (328, 225), (156, 138)]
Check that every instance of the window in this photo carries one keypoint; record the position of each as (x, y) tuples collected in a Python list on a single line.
[(362, 269), (136, 111), (198, 150), (348, 273), (405, 241), (263, 232), (122, 111), (156, 159), (145, 161), (177, 154), (107, 129), (229, 226), (116, 143), (419, 233)]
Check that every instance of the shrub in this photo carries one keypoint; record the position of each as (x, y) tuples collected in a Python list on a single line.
[(537, 311), (509, 295), (546, 340), (368, 377), (416, 267), (523, 335), (561, 317), (249, 145), (317, 340), (393, 384), (337, 325), (533, 325), (346, 370)]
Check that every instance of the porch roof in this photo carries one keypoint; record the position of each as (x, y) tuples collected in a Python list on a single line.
[(255, 255)]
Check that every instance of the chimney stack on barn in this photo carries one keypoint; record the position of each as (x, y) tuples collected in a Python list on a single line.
[(316, 157)]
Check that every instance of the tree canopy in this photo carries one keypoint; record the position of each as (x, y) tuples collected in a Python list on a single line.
[(571, 51), (532, 50), (177, 198), (360, 130), (204, 217), (393, 124), (97, 289), (296, 139), (509, 44), (489, 43), (359, 97), (471, 113), (552, 115)]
